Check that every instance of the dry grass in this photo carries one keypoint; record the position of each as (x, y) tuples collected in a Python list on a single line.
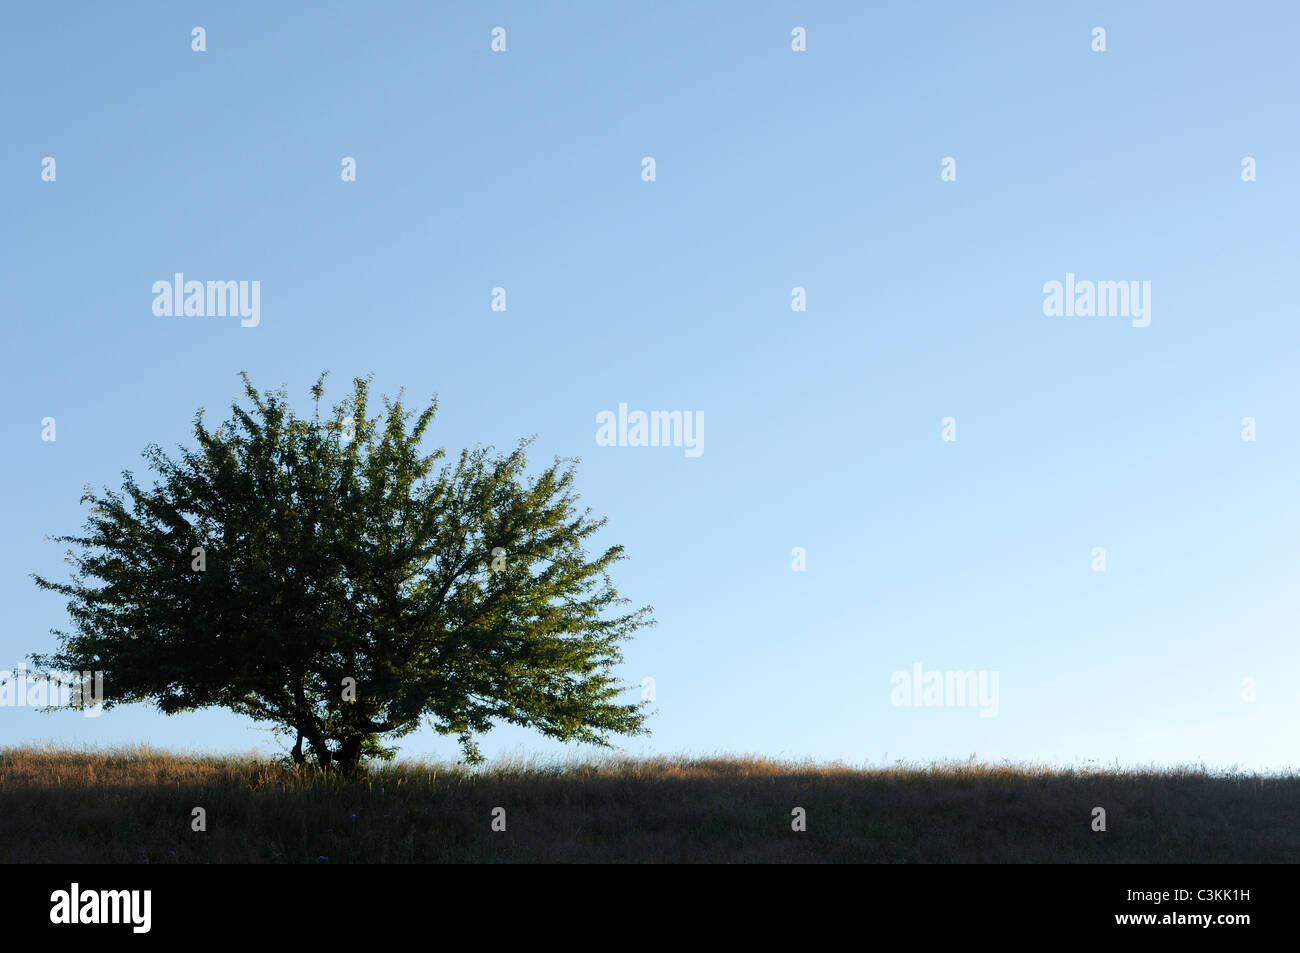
[(134, 806)]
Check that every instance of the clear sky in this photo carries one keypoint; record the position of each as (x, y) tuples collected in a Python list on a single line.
[(774, 169)]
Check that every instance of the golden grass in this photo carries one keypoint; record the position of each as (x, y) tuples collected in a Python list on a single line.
[(133, 805)]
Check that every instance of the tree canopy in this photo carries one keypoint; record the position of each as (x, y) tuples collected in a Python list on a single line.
[(328, 576)]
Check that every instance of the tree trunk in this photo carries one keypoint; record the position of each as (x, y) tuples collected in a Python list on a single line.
[(318, 747), (349, 756)]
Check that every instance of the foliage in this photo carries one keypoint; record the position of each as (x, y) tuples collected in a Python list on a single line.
[(284, 555)]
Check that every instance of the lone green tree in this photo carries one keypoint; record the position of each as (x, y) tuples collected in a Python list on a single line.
[(318, 574)]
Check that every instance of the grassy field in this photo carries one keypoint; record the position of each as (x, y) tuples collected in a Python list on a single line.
[(135, 806)]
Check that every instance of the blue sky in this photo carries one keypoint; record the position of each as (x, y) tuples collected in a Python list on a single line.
[(775, 169)]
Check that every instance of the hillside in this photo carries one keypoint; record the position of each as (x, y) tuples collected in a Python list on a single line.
[(136, 806)]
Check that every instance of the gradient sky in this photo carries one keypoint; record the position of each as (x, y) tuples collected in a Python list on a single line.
[(775, 169)]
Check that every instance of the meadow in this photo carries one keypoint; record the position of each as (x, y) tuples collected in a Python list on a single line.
[(137, 805)]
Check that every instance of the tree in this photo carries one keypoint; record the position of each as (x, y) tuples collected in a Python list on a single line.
[(318, 575)]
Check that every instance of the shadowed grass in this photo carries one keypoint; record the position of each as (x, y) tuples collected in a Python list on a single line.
[(134, 806)]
